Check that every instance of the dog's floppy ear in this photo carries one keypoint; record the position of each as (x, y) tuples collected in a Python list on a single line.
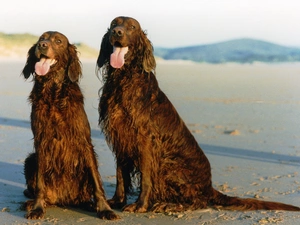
[(105, 50), (30, 63), (149, 63), (74, 65)]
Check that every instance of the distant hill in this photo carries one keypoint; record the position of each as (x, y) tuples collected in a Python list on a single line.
[(17, 46), (240, 51)]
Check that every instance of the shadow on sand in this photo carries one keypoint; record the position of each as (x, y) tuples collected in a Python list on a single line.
[(26, 124), (251, 155), (208, 149)]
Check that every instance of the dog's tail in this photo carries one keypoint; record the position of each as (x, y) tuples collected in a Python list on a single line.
[(222, 201)]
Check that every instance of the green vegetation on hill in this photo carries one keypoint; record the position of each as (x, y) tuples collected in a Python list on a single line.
[(240, 50), (11, 40), (17, 46)]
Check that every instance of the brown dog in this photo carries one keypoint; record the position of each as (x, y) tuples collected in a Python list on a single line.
[(148, 136), (63, 170)]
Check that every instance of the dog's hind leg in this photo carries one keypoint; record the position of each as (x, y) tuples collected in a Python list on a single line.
[(30, 170)]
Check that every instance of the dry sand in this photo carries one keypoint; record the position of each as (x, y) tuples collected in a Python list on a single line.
[(245, 117)]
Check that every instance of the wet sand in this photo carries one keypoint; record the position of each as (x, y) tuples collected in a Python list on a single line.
[(245, 118)]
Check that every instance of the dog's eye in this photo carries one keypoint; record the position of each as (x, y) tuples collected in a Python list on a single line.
[(58, 41), (113, 24), (132, 27)]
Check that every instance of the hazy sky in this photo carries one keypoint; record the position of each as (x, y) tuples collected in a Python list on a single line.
[(168, 23)]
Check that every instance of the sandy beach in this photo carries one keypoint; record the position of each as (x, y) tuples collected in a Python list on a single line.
[(246, 118)]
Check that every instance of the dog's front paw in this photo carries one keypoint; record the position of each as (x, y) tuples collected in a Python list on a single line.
[(35, 214), (107, 215), (167, 207), (135, 207)]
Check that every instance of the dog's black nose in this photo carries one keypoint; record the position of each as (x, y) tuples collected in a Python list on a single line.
[(118, 31)]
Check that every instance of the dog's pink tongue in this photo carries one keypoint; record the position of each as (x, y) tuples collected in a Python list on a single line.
[(117, 57), (42, 67)]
